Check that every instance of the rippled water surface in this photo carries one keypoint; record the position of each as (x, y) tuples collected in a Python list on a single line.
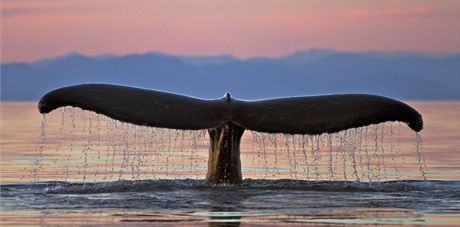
[(195, 202), (366, 176)]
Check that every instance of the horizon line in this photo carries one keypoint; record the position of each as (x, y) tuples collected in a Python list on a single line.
[(334, 51)]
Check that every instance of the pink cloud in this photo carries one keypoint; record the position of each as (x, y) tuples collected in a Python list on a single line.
[(25, 7), (42, 28), (390, 13), (44, 7)]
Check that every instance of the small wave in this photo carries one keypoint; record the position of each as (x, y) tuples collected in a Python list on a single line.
[(125, 186), (250, 184), (269, 195)]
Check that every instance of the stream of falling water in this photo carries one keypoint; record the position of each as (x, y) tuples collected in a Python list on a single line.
[(83, 146), (38, 159)]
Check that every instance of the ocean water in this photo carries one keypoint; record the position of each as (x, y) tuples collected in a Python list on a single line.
[(86, 169), (255, 201)]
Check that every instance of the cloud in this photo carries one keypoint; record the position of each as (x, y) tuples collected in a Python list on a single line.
[(396, 13), (14, 8), (27, 7)]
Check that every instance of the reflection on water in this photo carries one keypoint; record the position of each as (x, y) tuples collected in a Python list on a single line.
[(86, 148), (273, 201)]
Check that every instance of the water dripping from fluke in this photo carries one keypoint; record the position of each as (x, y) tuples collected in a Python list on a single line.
[(138, 140), (37, 162), (420, 156)]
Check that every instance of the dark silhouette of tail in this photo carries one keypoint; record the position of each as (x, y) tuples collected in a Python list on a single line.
[(294, 115)]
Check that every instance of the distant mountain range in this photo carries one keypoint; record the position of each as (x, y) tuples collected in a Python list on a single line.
[(312, 72)]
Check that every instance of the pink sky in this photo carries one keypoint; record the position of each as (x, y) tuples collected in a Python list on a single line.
[(36, 29)]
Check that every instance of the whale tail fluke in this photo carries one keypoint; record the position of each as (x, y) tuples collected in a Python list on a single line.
[(296, 115)]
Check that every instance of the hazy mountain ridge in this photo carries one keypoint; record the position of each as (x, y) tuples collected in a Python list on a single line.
[(398, 75)]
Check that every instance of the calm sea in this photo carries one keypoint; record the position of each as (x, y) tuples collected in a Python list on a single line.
[(76, 167)]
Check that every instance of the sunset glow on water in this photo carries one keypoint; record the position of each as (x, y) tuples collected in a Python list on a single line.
[(21, 132)]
